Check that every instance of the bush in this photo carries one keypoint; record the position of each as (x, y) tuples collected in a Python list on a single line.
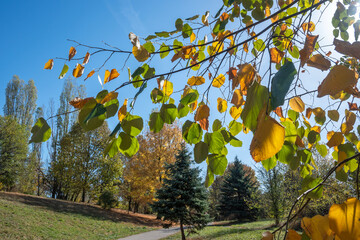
[(107, 200)]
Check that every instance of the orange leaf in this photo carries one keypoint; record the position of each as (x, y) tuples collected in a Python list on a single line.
[(319, 61), (292, 235), (232, 73), (90, 74), (278, 111), (202, 112), (49, 64), (245, 77), (267, 236), (308, 26), (72, 53), (335, 140), (297, 104), (86, 58), (353, 106), (344, 219), (308, 48), (110, 96), (78, 71), (110, 75), (308, 112), (192, 37), (276, 55), (338, 79), (122, 111), (79, 103), (237, 98), (246, 47), (204, 124)]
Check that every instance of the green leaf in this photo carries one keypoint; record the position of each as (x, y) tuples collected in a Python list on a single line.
[(201, 150), (259, 45), (293, 115), (168, 113), (100, 96), (132, 125), (156, 123), (216, 125), (162, 34), (341, 175), (321, 148), (179, 24), (280, 84), (86, 111), (112, 148), (149, 47), (310, 182), (189, 98), (312, 136), (344, 35), (235, 142), (217, 164), (286, 153), (357, 29), (157, 95), (150, 37), (336, 33), (192, 132), (186, 31), (209, 177), (216, 142), (294, 52), (183, 110), (111, 107), (257, 96), (235, 127), (294, 163), (64, 71), (164, 50), (129, 145), (269, 163), (41, 131), (192, 18)]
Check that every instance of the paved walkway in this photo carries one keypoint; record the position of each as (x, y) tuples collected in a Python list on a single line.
[(153, 235)]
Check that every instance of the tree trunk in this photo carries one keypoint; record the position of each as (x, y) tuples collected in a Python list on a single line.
[(129, 207), (182, 231), (83, 195)]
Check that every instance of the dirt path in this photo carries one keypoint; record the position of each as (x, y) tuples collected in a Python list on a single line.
[(153, 235)]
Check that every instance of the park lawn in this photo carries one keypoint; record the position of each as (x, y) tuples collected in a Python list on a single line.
[(24, 221), (245, 231)]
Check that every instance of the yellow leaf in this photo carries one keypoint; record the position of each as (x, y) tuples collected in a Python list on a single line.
[(72, 53), (297, 104), (237, 98), (235, 112), (49, 64), (202, 112), (245, 77), (141, 54), (218, 81), (350, 117), (308, 48), (268, 138), (79, 103), (310, 26), (292, 235), (195, 81), (122, 111), (317, 227), (246, 47), (221, 105), (344, 219), (168, 87), (90, 74), (276, 55), (319, 61), (78, 71), (267, 236), (192, 37), (335, 140), (338, 79), (333, 115), (110, 75), (267, 11), (86, 58), (110, 96)]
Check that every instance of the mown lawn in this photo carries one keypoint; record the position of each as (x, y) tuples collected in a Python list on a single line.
[(245, 231), (19, 220)]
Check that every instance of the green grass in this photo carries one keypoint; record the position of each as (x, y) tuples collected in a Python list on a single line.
[(19, 220), (245, 231)]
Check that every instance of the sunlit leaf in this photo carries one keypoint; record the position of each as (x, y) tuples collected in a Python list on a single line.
[(338, 79), (346, 48), (78, 71), (110, 75), (237, 98), (64, 71), (41, 131), (292, 235), (333, 115), (141, 54), (221, 105), (319, 61), (268, 138), (344, 219), (276, 55), (317, 227), (86, 58), (72, 53), (49, 64), (297, 104), (217, 163), (122, 111), (202, 112), (195, 81), (335, 140), (110, 96), (218, 81), (132, 125), (79, 103)]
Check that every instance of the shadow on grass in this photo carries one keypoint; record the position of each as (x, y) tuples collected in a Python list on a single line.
[(80, 208)]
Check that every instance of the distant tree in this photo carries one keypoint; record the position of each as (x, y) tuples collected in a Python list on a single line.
[(214, 198), (183, 197), (145, 171), (13, 151), (238, 193)]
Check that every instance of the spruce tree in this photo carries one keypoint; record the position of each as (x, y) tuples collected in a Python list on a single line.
[(183, 197), (238, 192)]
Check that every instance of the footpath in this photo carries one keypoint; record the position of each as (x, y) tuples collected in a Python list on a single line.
[(153, 235)]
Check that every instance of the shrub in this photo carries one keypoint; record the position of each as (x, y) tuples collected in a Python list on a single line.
[(107, 200)]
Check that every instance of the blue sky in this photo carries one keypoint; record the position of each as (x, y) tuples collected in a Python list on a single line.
[(35, 31)]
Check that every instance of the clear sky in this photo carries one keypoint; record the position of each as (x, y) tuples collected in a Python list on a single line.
[(35, 31)]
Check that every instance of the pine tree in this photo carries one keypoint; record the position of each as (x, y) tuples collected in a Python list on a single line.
[(183, 197), (238, 192)]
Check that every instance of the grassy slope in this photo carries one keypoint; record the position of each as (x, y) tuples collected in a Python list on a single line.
[(28, 217), (244, 231)]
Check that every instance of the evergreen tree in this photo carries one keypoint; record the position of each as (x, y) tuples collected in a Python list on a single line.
[(238, 192), (183, 198)]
